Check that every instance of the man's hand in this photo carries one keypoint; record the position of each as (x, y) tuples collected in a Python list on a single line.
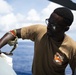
[(7, 53)]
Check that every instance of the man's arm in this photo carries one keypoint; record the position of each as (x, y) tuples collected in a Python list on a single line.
[(11, 35)]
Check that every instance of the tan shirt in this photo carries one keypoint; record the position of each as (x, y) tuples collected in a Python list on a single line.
[(50, 57)]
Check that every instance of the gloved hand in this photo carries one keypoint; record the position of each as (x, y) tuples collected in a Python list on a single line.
[(7, 53)]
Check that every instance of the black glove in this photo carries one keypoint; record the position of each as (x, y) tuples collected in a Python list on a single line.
[(7, 53)]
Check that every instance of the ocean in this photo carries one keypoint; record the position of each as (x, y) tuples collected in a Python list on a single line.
[(23, 58)]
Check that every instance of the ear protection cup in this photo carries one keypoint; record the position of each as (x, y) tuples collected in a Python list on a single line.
[(67, 28)]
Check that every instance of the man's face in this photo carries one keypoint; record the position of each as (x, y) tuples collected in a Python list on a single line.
[(55, 25)]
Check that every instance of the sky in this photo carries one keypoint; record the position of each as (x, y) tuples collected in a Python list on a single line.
[(19, 13)]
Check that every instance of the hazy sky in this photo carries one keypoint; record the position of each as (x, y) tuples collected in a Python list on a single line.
[(20, 13)]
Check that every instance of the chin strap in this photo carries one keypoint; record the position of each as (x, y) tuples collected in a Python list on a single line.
[(13, 43)]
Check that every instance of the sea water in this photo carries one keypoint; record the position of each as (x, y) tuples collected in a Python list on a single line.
[(23, 58)]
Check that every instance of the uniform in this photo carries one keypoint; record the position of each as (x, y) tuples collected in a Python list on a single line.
[(50, 57)]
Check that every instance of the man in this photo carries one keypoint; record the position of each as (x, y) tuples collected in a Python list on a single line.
[(54, 50)]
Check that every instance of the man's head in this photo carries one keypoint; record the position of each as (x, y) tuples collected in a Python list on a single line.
[(66, 14), (60, 20)]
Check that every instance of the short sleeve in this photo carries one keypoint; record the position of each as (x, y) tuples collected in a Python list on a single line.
[(31, 32)]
